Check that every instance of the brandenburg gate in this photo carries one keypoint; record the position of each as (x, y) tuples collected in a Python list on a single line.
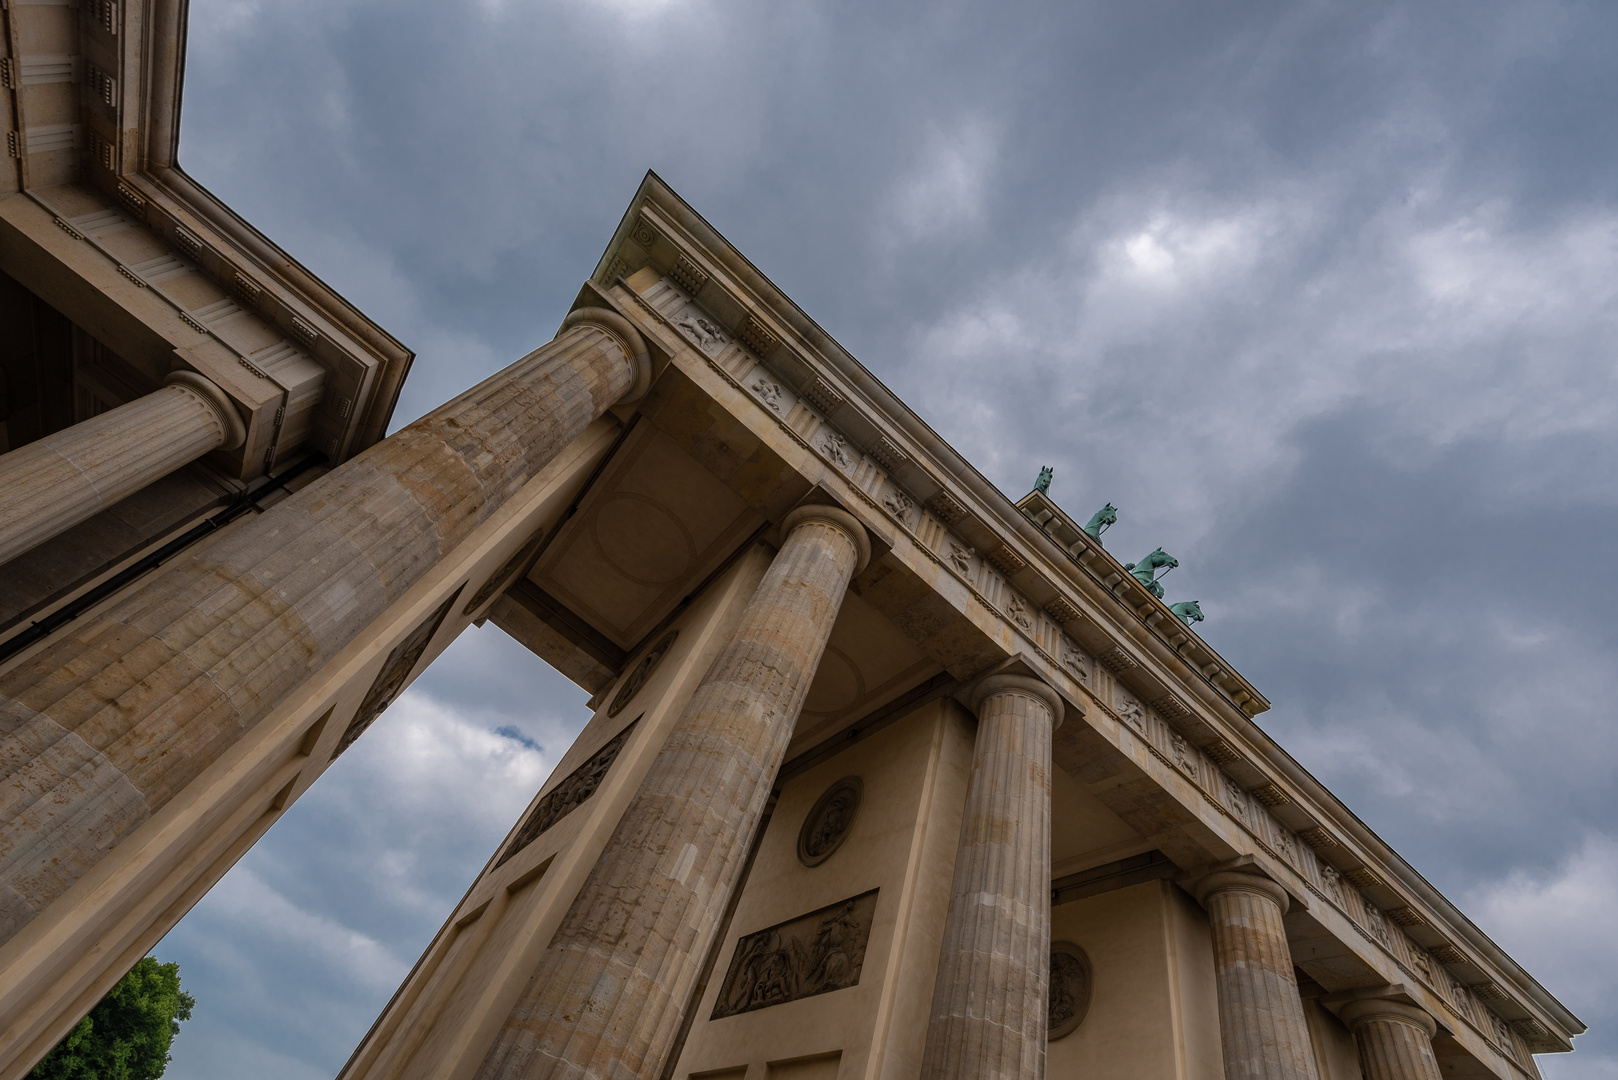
[(885, 775)]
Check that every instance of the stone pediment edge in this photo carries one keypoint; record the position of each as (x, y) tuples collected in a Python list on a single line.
[(1252, 752), (144, 179)]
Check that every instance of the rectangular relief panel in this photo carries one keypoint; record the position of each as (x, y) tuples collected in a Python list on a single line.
[(812, 954)]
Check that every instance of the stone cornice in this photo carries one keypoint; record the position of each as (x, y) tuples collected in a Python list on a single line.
[(126, 140), (1087, 593)]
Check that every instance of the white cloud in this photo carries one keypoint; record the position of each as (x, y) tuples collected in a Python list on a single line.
[(943, 192), (1559, 925), (309, 935)]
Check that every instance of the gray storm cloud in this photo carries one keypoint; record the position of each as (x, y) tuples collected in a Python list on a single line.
[(1322, 297)]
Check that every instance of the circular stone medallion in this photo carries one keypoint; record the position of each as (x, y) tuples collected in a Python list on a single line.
[(642, 672), (1069, 995), (830, 821)]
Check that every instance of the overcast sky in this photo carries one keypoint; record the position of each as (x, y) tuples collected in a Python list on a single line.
[(1321, 296)]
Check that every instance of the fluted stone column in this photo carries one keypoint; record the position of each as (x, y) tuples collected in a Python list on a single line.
[(1395, 1039), (608, 996), (1261, 1022), (109, 722), (54, 483), (989, 1007)]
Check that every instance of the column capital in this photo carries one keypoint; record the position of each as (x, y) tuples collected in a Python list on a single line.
[(1363, 1011), (235, 431), (1222, 881), (633, 344), (1007, 683), (837, 518)]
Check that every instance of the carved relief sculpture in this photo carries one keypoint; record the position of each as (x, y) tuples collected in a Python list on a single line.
[(1236, 798), (642, 672), (1069, 994), (1457, 994), (899, 505), (960, 557), (562, 799), (1017, 608), (1333, 881), (393, 677), (1375, 922), (835, 447), (704, 334), (1076, 660), (768, 392), (1184, 756), (812, 954), (1132, 712), (499, 577), (829, 821)]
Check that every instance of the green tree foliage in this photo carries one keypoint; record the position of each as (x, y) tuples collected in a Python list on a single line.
[(127, 1036)]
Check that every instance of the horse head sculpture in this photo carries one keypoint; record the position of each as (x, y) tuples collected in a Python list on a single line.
[(1107, 515), (1188, 611), (1146, 570)]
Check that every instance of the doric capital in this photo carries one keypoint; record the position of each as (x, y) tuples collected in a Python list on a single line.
[(1221, 881), (837, 518), (1366, 1010), (994, 685), (229, 419), (633, 344)]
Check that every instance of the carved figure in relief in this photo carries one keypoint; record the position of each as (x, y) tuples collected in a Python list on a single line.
[(1043, 484), (1423, 961), (1236, 797), (1132, 712), (960, 557), (1184, 756), (1017, 608), (642, 672), (1333, 882), (899, 505), (829, 821), (1102, 520), (835, 447), (708, 337), (1457, 995), (767, 392), (1286, 845), (1188, 611), (812, 954), (1146, 570), (1068, 993), (1376, 923), (1075, 660), (567, 796)]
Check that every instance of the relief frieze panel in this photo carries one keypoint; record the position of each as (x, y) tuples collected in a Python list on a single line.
[(871, 470), (567, 796), (811, 954)]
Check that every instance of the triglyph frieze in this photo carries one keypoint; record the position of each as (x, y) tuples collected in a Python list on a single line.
[(870, 470)]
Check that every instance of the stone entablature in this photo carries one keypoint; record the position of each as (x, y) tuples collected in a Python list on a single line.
[(174, 278), (1099, 635)]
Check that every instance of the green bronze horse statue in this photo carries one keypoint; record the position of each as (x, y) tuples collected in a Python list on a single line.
[(1188, 611), (1146, 570), (1107, 515)]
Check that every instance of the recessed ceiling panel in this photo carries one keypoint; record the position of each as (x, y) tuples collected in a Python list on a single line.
[(653, 526), (867, 663)]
